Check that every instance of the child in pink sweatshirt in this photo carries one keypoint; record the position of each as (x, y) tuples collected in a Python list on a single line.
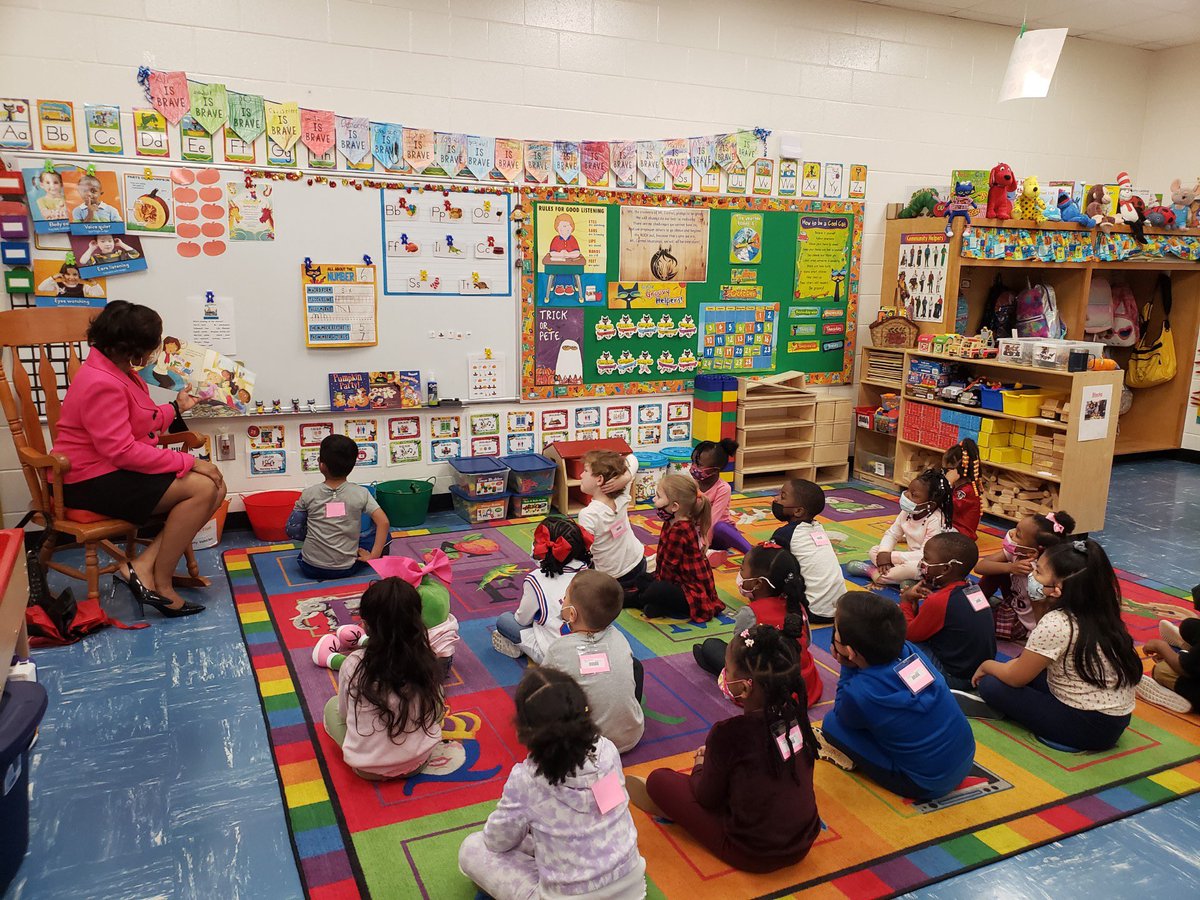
[(926, 509)]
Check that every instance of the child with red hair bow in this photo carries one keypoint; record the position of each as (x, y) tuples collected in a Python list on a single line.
[(432, 580), (563, 548)]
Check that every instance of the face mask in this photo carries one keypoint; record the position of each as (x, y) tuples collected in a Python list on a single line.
[(907, 504), (779, 511), (663, 513), (702, 473), (1012, 549), (723, 685), (1035, 588)]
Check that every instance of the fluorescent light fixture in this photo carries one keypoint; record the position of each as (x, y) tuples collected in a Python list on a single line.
[(1032, 64)]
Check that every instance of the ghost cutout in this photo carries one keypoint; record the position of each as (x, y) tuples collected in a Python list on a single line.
[(569, 367)]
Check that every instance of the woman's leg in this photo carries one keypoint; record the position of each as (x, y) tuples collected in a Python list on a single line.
[(189, 502), (725, 536), (505, 876)]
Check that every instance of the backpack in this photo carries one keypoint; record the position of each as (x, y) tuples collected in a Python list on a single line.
[(1000, 310), (1153, 359), (1112, 314), (1037, 313), (55, 625)]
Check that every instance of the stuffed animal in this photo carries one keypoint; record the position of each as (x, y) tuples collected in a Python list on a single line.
[(1000, 182), (1097, 207), (1051, 212), (1161, 217), (960, 206), (1183, 204), (921, 203), (1029, 204), (1134, 215), (1068, 211)]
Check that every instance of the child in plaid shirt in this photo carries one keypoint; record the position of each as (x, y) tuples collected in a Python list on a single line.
[(683, 587)]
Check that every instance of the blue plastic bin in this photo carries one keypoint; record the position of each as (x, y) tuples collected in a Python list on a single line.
[(530, 473), (22, 706), (480, 476)]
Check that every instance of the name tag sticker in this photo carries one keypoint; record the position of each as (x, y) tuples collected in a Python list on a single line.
[(335, 509), (820, 538), (593, 663), (914, 674), (975, 597), (619, 528), (608, 792)]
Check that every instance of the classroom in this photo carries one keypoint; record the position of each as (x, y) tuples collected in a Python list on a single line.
[(599, 448)]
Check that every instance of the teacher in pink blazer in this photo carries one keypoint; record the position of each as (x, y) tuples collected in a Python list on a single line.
[(109, 428)]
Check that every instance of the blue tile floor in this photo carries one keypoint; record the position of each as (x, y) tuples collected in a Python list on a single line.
[(152, 776)]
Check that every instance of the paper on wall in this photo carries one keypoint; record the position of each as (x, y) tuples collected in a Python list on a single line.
[(213, 323)]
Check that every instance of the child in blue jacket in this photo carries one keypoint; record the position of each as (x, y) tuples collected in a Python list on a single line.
[(894, 719)]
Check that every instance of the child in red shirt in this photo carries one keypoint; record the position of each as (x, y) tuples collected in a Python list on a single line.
[(771, 581), (961, 463), (683, 584)]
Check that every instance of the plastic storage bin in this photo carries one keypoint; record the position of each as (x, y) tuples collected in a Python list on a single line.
[(22, 706), (864, 416), (522, 505), (405, 501), (268, 512), (651, 467), (492, 508), (679, 459), (1014, 350), (530, 473), (482, 476), (879, 466), (1026, 404)]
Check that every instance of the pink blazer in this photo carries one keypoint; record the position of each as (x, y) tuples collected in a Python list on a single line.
[(109, 422)]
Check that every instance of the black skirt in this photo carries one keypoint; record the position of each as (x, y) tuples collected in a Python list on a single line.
[(131, 496)]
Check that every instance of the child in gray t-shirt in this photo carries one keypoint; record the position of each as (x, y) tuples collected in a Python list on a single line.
[(328, 516), (597, 655)]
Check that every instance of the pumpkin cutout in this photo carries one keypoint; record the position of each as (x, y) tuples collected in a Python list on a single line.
[(151, 211), (212, 211), (213, 229), (210, 194), (214, 248), (187, 230), (188, 250), (185, 195), (183, 176), (209, 176), (187, 213)]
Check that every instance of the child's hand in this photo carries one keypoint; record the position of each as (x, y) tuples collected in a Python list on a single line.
[(1020, 566), (915, 593), (699, 761), (364, 554), (124, 246), (1158, 650), (980, 672)]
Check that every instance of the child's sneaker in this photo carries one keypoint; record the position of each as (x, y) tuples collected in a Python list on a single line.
[(1169, 632), (830, 753), (973, 706), (861, 568), (328, 647), (504, 646), (349, 636), (1153, 692)]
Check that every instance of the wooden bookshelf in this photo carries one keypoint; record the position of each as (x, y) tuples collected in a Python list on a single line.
[(881, 371)]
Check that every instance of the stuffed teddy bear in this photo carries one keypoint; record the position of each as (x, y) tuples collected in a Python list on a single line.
[(1068, 211), (1183, 204), (1029, 204), (1001, 181), (1098, 206)]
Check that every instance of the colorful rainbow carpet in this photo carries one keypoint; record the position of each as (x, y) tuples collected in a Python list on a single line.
[(354, 838)]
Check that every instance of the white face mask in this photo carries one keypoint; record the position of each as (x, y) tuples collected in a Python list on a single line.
[(907, 504)]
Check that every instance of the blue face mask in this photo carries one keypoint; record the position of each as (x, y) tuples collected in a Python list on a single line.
[(1035, 588)]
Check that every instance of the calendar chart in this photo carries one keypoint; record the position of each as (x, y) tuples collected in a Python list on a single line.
[(738, 337)]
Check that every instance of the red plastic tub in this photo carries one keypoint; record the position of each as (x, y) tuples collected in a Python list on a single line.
[(268, 512)]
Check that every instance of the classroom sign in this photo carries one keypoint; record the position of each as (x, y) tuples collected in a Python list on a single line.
[(339, 305)]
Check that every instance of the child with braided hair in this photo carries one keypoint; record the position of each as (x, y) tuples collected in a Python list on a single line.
[(749, 798), (926, 509), (562, 827), (961, 465), (1008, 571), (562, 549)]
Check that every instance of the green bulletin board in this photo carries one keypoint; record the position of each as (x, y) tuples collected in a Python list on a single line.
[(791, 265)]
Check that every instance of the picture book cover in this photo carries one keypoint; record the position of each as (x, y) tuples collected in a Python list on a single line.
[(375, 390), (979, 181), (221, 385)]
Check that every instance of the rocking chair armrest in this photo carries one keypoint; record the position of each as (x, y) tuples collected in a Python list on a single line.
[(189, 439), (59, 464)]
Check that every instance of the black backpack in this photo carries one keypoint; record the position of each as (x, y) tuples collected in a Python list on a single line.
[(1000, 310)]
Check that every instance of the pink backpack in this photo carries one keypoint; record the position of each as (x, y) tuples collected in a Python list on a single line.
[(1125, 332), (1037, 313)]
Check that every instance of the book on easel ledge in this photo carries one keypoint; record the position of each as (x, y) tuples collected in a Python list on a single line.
[(222, 386)]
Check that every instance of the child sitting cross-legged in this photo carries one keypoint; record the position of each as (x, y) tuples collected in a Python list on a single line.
[(799, 503), (1009, 570), (893, 718), (1175, 681), (926, 509), (683, 586), (771, 582), (948, 617), (709, 459), (596, 654), (749, 798), (562, 827), (561, 548), (1074, 683), (387, 715), (616, 550)]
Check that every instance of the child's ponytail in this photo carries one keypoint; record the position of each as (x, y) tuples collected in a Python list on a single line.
[(772, 658)]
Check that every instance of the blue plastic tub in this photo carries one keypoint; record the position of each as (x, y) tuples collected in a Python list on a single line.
[(481, 476), (679, 459), (530, 473)]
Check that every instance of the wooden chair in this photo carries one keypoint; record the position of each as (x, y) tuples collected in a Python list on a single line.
[(40, 329)]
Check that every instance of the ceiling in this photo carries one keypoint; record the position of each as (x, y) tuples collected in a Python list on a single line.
[(1150, 25)]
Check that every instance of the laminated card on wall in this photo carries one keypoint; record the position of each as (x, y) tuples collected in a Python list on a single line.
[(339, 305)]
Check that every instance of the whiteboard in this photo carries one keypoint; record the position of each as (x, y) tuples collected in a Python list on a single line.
[(329, 225)]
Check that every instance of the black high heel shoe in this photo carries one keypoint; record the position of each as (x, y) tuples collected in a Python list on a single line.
[(144, 597)]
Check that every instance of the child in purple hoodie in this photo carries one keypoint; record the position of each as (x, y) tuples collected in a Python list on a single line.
[(562, 827)]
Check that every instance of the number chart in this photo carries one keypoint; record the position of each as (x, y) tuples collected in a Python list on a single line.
[(738, 337)]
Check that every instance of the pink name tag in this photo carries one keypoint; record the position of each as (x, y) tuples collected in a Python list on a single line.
[(914, 674), (619, 528), (335, 509), (609, 792), (819, 537), (792, 741), (593, 663), (975, 597)]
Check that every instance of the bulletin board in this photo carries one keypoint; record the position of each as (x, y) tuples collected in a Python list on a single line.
[(637, 293)]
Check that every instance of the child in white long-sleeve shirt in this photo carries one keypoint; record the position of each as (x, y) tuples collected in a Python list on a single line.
[(561, 547), (926, 509)]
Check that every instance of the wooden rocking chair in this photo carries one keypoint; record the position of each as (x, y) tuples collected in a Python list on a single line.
[(40, 329)]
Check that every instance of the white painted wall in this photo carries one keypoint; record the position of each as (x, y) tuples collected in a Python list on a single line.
[(912, 95)]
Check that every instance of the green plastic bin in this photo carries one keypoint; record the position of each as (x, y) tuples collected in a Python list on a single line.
[(405, 501)]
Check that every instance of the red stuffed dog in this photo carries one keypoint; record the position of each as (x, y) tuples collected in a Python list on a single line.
[(1001, 182)]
